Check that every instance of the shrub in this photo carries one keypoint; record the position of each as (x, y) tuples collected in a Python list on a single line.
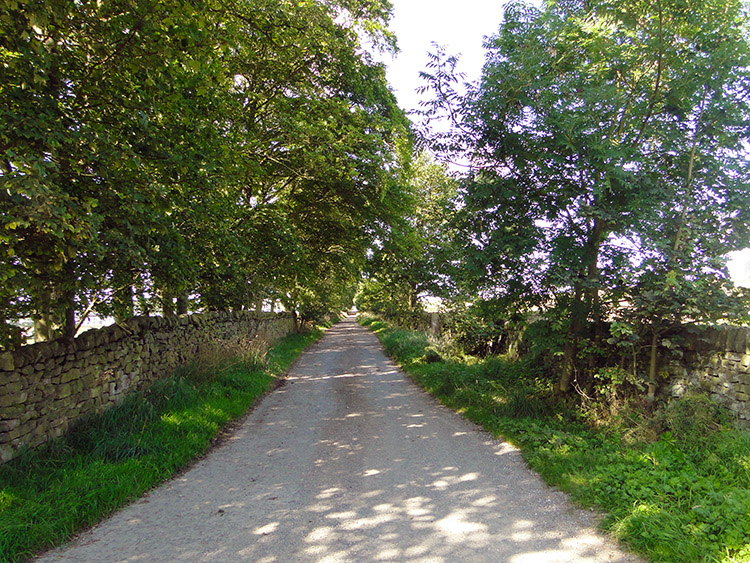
[(693, 420)]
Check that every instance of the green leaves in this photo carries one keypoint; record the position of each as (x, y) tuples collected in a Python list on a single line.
[(608, 178), (142, 140), (409, 254)]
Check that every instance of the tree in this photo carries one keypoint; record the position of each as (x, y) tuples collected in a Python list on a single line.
[(605, 139), (406, 261), (153, 151)]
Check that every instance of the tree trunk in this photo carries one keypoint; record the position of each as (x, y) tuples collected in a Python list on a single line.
[(569, 364), (182, 305), (413, 298), (570, 350), (69, 302), (44, 328), (586, 303), (69, 330), (45, 325), (167, 305), (653, 366), (297, 321)]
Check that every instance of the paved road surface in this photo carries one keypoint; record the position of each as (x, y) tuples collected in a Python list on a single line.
[(350, 461)]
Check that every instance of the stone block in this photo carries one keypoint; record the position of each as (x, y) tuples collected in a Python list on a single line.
[(9, 401), (737, 343), (16, 433), (7, 453), (35, 396), (13, 411), (11, 377), (70, 375), (29, 415), (733, 357), (117, 333), (11, 388), (64, 390), (7, 362), (8, 425)]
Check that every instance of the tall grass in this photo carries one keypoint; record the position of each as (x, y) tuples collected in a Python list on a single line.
[(107, 460), (675, 486)]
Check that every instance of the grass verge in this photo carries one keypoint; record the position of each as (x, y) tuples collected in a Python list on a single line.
[(106, 461), (677, 496)]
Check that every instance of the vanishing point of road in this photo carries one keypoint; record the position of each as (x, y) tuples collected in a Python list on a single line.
[(351, 461)]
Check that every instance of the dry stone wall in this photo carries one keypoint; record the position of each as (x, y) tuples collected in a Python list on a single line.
[(45, 387), (714, 359), (717, 360)]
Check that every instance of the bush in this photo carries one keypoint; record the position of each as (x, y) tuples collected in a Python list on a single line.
[(431, 355), (693, 421), (525, 402), (405, 345)]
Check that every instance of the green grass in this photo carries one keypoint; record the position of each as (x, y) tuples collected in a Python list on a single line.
[(676, 496), (106, 461)]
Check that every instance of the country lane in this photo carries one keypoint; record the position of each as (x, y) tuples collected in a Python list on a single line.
[(351, 461)]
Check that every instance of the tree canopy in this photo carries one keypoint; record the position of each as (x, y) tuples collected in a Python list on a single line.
[(609, 177), (156, 154)]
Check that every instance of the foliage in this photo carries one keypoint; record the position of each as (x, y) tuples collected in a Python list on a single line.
[(407, 256), (188, 154), (681, 495), (608, 176), (50, 493)]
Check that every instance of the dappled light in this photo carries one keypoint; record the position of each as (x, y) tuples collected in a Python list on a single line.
[(349, 461)]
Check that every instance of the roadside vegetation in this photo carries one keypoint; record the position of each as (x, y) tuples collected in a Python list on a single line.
[(674, 484), (580, 258), (106, 461)]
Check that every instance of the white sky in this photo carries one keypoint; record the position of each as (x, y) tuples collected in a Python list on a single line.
[(460, 26)]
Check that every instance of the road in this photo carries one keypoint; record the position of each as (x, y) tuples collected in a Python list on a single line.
[(350, 461)]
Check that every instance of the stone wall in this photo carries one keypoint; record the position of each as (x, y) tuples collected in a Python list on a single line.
[(717, 360), (713, 359), (44, 387)]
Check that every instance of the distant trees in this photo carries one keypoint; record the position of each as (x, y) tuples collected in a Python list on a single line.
[(161, 156), (405, 262), (609, 176)]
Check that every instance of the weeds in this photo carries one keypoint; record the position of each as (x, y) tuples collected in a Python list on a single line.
[(105, 461), (675, 484)]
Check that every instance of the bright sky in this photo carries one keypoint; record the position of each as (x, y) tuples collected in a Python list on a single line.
[(458, 25)]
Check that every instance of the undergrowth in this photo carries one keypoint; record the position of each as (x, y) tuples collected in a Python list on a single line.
[(674, 486), (105, 461)]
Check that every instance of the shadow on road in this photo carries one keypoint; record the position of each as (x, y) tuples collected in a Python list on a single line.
[(349, 461)]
